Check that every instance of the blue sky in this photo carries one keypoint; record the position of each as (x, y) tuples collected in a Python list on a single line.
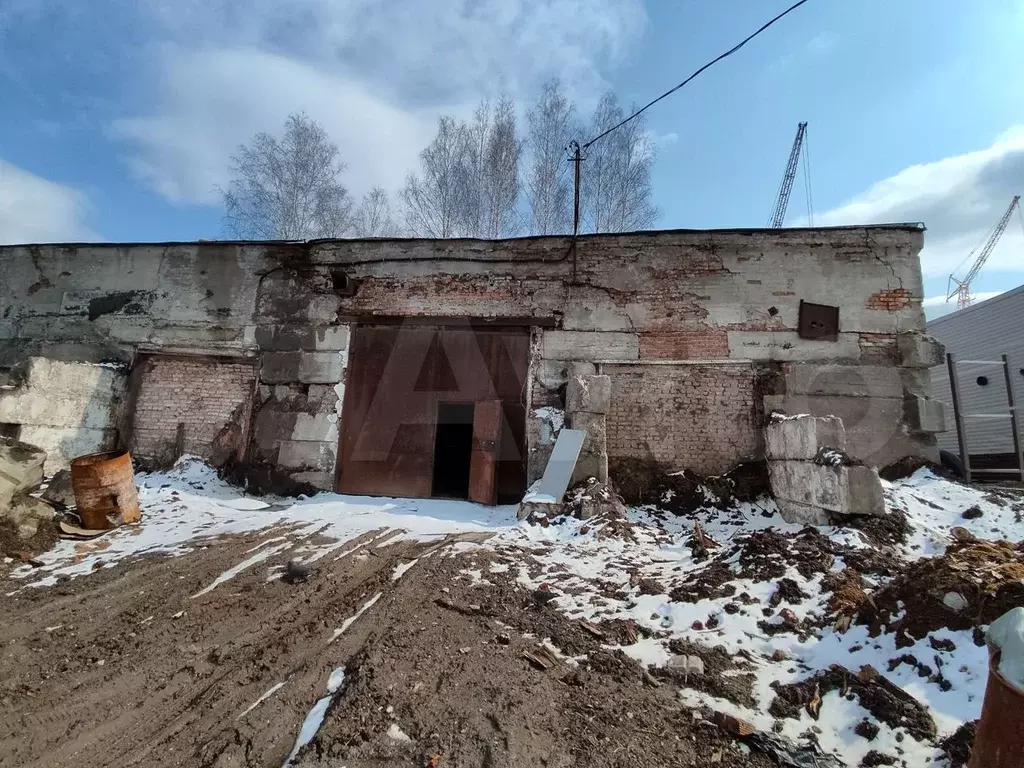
[(118, 116)]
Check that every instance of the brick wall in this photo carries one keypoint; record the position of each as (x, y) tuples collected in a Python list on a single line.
[(696, 417), (207, 396)]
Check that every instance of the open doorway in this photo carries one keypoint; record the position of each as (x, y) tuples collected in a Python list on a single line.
[(453, 450)]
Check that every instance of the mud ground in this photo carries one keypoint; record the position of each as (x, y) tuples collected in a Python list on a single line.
[(124, 668)]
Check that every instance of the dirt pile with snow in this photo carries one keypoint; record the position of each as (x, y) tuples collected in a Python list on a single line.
[(425, 632)]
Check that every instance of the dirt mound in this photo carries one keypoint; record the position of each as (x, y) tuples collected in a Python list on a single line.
[(722, 677), (12, 545), (957, 746), (650, 483), (973, 583), (882, 699), (766, 555), (124, 667)]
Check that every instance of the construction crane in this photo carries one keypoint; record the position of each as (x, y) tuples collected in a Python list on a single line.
[(963, 286), (782, 201)]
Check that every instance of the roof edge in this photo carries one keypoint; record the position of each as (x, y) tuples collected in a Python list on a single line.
[(904, 227)]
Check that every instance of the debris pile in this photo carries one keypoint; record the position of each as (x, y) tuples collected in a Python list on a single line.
[(971, 585), (26, 522)]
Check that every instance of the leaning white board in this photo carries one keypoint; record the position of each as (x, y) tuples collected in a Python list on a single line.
[(558, 472)]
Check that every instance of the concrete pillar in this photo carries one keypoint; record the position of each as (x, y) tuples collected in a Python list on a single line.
[(588, 398)]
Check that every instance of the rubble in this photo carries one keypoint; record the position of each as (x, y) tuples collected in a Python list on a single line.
[(21, 469)]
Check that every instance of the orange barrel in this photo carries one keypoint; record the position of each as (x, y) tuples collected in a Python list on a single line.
[(104, 487), (999, 741)]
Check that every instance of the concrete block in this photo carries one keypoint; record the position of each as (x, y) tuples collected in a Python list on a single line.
[(593, 458), (314, 456), (590, 345), (21, 468), (321, 480), (309, 427), (592, 394), (788, 346), (321, 367), (923, 414), (801, 514), (875, 431), (847, 490), (846, 380), (801, 437), (918, 350), (304, 367), (62, 444), (291, 338)]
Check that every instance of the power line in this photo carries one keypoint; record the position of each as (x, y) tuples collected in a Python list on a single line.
[(710, 64)]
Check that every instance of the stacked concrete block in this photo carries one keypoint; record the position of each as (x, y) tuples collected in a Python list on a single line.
[(66, 408), (811, 478), (588, 399)]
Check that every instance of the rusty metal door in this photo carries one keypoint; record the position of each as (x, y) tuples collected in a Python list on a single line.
[(483, 465), (397, 374)]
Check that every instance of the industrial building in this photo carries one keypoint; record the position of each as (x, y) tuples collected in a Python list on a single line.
[(439, 367), (977, 337)]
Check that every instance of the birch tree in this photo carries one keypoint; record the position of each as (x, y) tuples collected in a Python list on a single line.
[(616, 188), (549, 181), (500, 187), (373, 216), (288, 188), (435, 202)]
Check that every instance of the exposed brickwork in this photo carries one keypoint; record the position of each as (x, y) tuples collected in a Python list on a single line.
[(203, 395), (697, 417), (685, 345), (892, 300), (878, 348)]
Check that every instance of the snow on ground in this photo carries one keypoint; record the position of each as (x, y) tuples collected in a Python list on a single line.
[(601, 577), (188, 505)]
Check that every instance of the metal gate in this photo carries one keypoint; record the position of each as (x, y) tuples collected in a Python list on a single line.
[(398, 374)]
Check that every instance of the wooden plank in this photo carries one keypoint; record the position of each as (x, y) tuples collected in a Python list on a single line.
[(487, 418)]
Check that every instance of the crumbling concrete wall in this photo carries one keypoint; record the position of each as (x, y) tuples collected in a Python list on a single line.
[(67, 409), (701, 325)]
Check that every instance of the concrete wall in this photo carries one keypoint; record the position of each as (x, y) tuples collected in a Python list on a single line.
[(642, 308), (68, 409)]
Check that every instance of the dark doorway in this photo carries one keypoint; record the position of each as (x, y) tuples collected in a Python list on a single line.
[(453, 449)]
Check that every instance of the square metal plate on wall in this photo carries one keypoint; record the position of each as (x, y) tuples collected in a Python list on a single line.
[(818, 321)]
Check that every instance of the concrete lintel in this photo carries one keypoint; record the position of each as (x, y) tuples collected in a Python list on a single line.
[(846, 380), (590, 345), (788, 346)]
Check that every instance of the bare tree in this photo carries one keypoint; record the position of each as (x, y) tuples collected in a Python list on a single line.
[(549, 179), (616, 189), (373, 216), (630, 191), (500, 188), (596, 193), (288, 188), (435, 203)]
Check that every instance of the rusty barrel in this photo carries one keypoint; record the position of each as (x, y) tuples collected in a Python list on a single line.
[(104, 487), (999, 741)]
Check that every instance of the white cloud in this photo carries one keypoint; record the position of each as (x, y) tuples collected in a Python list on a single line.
[(937, 306), (958, 198), (34, 210), (218, 99), (375, 73)]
